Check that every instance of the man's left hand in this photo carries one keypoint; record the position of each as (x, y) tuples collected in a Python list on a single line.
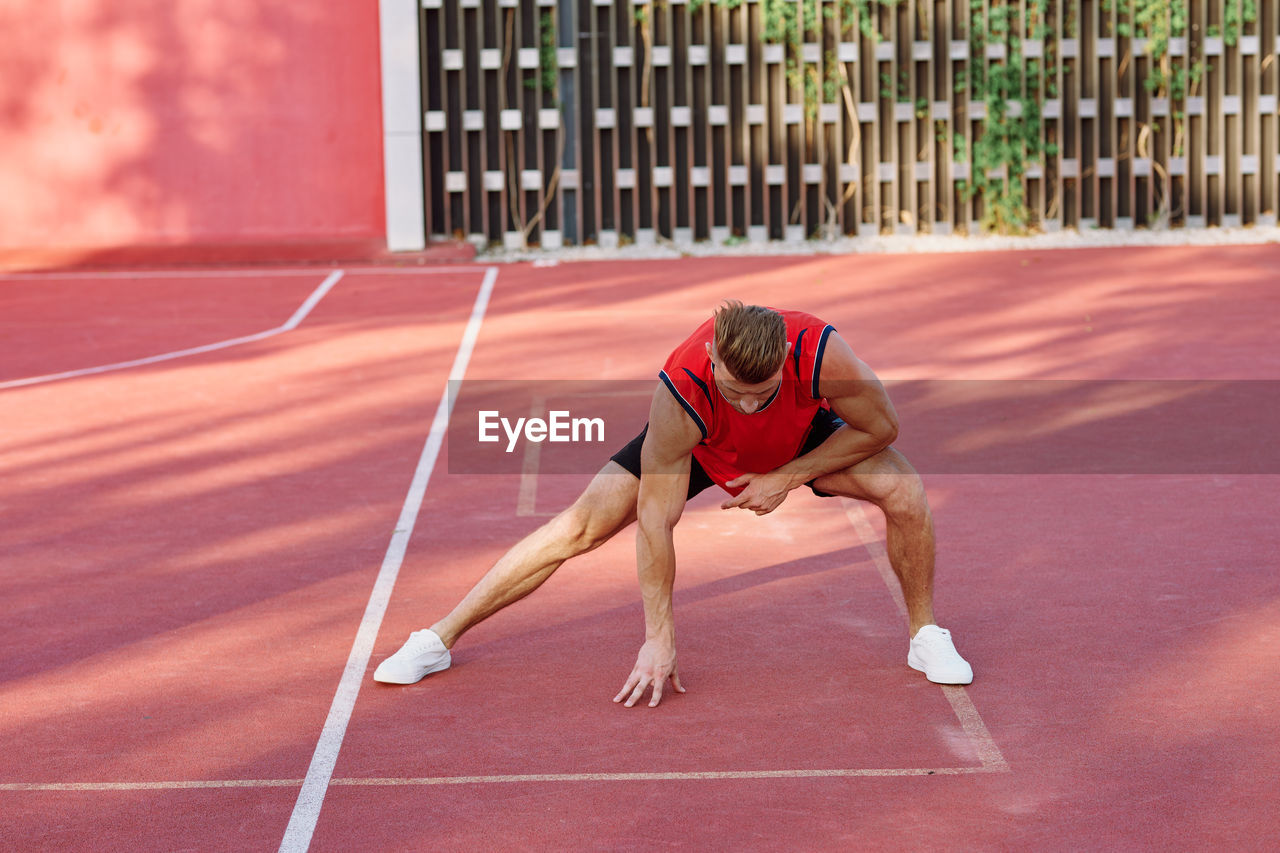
[(763, 493)]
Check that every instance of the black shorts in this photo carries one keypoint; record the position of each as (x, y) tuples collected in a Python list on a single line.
[(824, 423)]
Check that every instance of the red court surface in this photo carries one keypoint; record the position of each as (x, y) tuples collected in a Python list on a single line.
[(192, 544)]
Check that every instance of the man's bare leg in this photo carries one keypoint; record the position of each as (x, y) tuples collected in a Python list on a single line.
[(606, 506), (888, 481)]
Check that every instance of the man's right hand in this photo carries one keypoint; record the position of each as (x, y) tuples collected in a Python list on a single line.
[(654, 665)]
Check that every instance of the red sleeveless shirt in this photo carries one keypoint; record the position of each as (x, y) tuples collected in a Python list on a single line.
[(733, 443)]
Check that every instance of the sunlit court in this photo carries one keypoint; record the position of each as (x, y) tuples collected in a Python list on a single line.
[(228, 494), (695, 425)]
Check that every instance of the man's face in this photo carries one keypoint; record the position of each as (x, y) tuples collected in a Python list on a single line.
[(743, 396)]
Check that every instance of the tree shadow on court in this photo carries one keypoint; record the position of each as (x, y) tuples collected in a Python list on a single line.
[(1119, 631), (163, 125), (178, 537), (190, 550), (688, 595), (1096, 313)]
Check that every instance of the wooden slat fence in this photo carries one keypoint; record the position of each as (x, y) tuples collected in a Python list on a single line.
[(559, 122)]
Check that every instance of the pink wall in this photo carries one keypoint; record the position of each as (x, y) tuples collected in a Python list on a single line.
[(158, 122)]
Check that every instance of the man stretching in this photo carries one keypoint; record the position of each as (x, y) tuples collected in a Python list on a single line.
[(759, 402)]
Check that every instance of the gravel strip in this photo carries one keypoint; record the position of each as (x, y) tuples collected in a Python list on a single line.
[(892, 244)]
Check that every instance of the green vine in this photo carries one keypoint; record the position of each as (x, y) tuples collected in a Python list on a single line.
[(1010, 139), (790, 22), (1235, 15), (543, 79), (1158, 22), (1012, 135), (548, 70)]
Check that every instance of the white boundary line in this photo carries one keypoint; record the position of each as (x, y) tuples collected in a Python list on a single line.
[(527, 499), (306, 811), (150, 786), (451, 270), (672, 776), (993, 761), (237, 272), (411, 781), (288, 326)]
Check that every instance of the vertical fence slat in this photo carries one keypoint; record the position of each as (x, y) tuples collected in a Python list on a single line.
[(911, 210), (1269, 94), (516, 211), (755, 146), (733, 104), (1124, 185), (435, 123), (682, 154), (946, 101), (1247, 122), (642, 131), (1232, 177), (606, 72), (1215, 151)]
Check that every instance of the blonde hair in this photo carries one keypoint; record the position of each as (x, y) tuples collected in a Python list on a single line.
[(750, 340)]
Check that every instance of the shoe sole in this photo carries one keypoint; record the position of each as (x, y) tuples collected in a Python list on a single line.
[(919, 667), (442, 665)]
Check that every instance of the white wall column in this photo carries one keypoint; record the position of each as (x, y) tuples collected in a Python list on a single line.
[(402, 125)]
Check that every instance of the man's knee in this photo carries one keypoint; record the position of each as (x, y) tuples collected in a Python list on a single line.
[(594, 518), (903, 495), (886, 480), (573, 529)]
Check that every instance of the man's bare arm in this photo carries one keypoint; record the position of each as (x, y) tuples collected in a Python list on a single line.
[(664, 483), (871, 425)]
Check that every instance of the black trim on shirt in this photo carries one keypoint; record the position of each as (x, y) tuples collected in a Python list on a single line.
[(817, 358), (693, 413), (795, 354), (706, 392)]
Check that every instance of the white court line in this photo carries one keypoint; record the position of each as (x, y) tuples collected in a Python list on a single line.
[(289, 325), (418, 781), (416, 270), (181, 785), (246, 272), (527, 499), (834, 773), (306, 811), (970, 720), (870, 541), (131, 274)]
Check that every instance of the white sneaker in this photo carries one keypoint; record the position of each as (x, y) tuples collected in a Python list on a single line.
[(422, 654), (933, 654)]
